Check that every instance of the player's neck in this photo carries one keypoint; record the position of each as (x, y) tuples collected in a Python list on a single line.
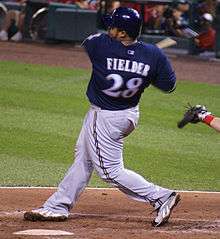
[(128, 42)]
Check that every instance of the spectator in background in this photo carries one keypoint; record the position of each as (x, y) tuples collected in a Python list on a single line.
[(172, 23), (200, 7), (13, 24), (206, 38), (107, 7), (155, 17), (207, 6), (82, 4), (183, 6), (94, 4), (111, 5), (88, 4)]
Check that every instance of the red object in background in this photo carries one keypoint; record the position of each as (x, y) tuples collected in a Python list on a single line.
[(63, 1), (133, 5), (207, 39), (147, 9)]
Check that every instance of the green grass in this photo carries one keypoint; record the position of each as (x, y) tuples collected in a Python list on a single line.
[(41, 113)]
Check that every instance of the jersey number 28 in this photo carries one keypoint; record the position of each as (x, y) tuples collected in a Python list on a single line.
[(132, 86)]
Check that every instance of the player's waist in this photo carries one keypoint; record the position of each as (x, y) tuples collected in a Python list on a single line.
[(131, 113), (97, 108)]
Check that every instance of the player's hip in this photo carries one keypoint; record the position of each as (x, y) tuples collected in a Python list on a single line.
[(131, 114)]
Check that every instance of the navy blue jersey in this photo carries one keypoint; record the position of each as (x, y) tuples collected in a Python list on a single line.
[(121, 73)]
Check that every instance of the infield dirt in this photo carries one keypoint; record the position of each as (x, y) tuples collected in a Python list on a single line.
[(110, 214)]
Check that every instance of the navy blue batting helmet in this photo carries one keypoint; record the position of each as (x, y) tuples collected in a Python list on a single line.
[(126, 19)]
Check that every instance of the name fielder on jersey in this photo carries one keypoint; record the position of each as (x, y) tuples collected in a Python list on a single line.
[(127, 66), (132, 85)]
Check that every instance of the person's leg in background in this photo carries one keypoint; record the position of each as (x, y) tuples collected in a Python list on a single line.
[(20, 25), (12, 26)]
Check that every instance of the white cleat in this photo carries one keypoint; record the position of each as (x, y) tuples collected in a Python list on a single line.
[(165, 210), (17, 37), (43, 214), (3, 36)]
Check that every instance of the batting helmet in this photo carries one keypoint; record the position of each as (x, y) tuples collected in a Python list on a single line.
[(126, 19)]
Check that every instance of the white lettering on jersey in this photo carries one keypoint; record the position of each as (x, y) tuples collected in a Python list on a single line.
[(146, 69), (134, 66), (130, 52), (127, 63), (109, 63), (121, 66), (115, 63), (132, 86), (128, 66)]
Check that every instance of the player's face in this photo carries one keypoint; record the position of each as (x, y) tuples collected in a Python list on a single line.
[(113, 32), (116, 34)]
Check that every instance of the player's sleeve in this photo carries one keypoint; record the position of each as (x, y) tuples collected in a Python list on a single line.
[(90, 44), (165, 78)]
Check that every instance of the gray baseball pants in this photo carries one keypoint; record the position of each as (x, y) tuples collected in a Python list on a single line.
[(99, 147)]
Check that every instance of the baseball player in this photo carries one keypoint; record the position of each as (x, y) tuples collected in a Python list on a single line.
[(199, 113), (122, 68)]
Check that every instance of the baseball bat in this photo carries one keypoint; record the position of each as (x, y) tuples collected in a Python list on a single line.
[(167, 42)]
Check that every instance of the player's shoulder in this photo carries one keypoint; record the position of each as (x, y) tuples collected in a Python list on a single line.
[(97, 37), (150, 48)]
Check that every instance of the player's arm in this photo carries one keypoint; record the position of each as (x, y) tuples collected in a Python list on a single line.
[(211, 120), (208, 118), (165, 78), (215, 124)]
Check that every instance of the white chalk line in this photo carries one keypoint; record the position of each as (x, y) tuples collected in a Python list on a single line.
[(186, 231), (108, 189), (140, 217), (160, 230)]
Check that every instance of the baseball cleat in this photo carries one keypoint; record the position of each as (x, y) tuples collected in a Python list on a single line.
[(42, 214), (164, 212)]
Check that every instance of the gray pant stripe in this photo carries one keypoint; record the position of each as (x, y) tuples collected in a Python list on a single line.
[(123, 188)]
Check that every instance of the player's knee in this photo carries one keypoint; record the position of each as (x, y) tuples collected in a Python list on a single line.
[(109, 175)]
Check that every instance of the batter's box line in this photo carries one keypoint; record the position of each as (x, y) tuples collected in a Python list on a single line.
[(170, 231), (99, 189)]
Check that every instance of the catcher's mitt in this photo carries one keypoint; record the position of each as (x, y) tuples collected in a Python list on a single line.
[(194, 114)]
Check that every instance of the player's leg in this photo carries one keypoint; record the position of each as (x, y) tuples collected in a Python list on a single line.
[(57, 207), (109, 128)]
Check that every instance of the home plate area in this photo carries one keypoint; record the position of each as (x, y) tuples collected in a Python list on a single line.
[(43, 232), (108, 214)]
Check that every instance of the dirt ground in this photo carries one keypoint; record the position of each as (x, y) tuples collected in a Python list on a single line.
[(101, 213), (110, 214)]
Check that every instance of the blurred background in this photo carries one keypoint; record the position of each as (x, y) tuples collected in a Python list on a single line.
[(194, 24)]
